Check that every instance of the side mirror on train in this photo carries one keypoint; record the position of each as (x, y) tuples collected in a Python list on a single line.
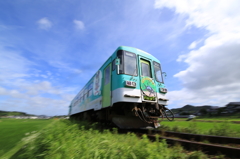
[(164, 74), (117, 61)]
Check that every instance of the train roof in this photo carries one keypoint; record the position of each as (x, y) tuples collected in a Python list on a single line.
[(137, 51)]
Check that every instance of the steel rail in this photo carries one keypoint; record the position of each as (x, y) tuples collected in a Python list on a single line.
[(198, 137), (210, 149), (195, 137)]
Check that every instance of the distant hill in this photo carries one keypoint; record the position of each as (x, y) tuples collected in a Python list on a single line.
[(13, 113), (189, 109)]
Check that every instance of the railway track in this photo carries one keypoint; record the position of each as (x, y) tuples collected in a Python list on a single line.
[(197, 137), (215, 144)]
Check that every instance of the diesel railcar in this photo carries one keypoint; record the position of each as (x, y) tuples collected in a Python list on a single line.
[(127, 90)]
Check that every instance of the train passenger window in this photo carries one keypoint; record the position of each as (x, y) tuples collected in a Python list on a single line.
[(107, 75), (84, 94), (113, 65), (90, 88), (130, 64), (158, 72), (90, 92), (81, 94), (146, 70)]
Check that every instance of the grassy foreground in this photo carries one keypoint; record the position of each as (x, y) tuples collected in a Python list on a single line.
[(64, 139), (13, 130)]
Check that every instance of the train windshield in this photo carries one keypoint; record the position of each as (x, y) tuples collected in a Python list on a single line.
[(158, 72), (128, 63)]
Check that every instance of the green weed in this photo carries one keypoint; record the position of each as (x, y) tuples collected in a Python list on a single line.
[(222, 129), (207, 128), (70, 140)]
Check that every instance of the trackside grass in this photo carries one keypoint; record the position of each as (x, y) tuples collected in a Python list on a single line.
[(13, 130), (64, 139), (226, 128)]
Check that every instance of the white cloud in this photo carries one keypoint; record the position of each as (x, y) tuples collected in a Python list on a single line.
[(44, 76), (212, 76), (215, 15), (181, 58), (79, 24), (20, 91), (30, 98), (194, 44), (44, 23), (13, 93), (40, 87), (65, 67), (36, 104), (13, 65)]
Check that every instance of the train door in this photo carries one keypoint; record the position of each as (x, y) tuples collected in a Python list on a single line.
[(147, 86), (106, 98)]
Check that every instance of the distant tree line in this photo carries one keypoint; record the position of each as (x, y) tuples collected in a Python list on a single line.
[(13, 113)]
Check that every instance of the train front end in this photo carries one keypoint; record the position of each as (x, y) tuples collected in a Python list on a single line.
[(138, 89)]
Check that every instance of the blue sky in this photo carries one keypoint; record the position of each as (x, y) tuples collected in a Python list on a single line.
[(50, 49)]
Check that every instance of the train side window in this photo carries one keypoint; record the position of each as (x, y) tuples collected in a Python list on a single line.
[(90, 92), (87, 94), (107, 75), (113, 65), (158, 72), (90, 88)]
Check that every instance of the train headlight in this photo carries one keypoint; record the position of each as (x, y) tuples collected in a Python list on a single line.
[(164, 90), (130, 83)]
